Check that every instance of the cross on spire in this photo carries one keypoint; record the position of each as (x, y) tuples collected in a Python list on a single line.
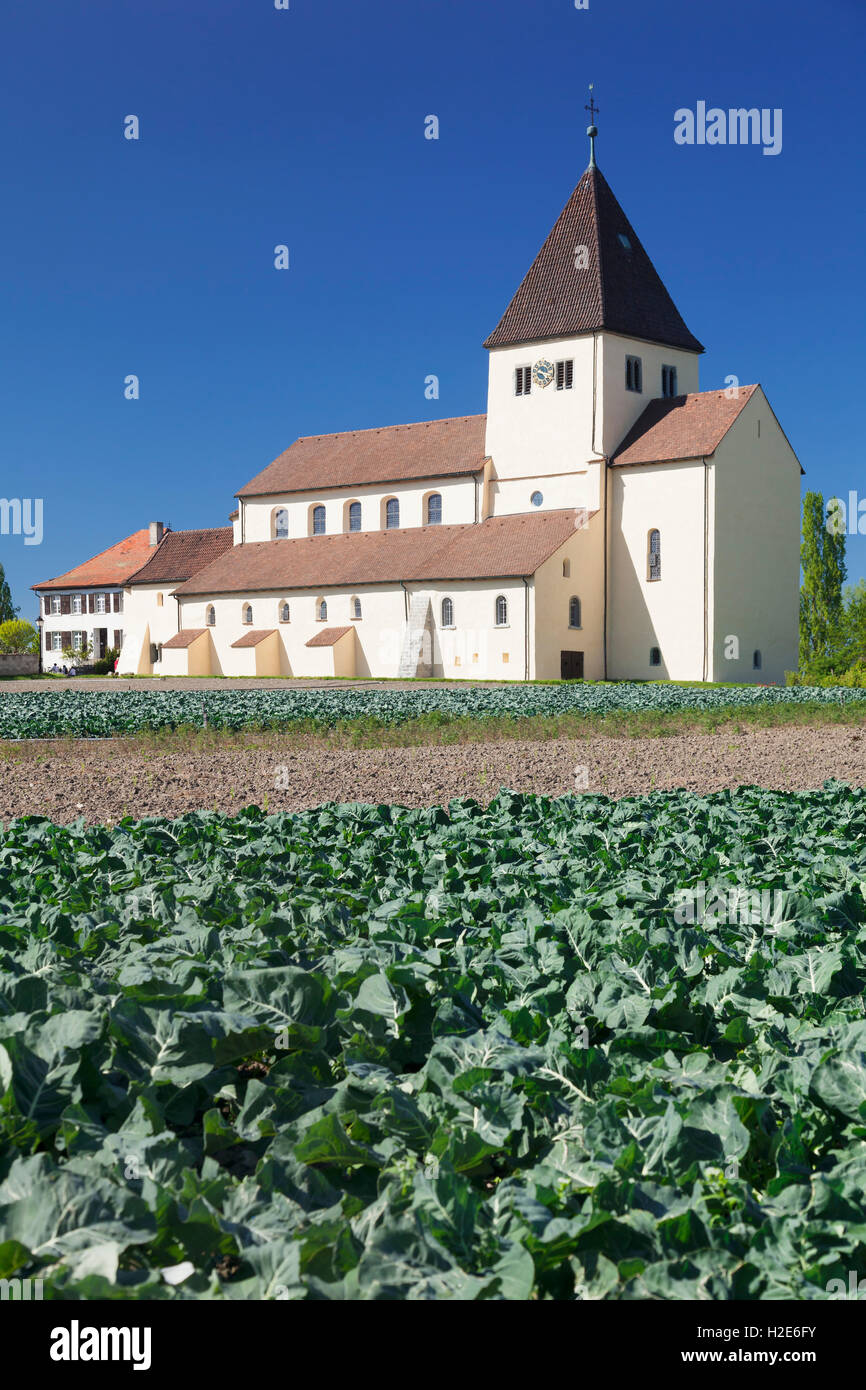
[(592, 130)]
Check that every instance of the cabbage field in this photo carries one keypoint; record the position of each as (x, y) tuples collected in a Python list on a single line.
[(102, 713), (537, 1049)]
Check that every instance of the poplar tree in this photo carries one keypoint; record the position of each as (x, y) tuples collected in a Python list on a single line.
[(822, 556), (7, 609)]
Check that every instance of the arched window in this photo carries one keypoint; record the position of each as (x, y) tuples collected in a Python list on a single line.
[(655, 657), (654, 555), (284, 612), (574, 612), (354, 516), (392, 514), (322, 610), (281, 524), (318, 521), (447, 612), (210, 616), (756, 660), (356, 608), (247, 613), (501, 611), (566, 569), (434, 509)]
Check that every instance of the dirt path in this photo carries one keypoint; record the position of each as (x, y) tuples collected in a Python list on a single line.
[(103, 782)]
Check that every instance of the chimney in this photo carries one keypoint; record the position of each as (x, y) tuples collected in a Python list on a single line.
[(157, 531)]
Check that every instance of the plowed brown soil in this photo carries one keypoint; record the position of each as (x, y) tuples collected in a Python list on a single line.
[(105, 781)]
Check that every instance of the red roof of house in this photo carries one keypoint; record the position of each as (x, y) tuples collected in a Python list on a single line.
[(184, 638), (497, 548), (110, 568), (252, 639), (619, 289), (328, 637), (180, 554), (682, 427), (429, 449)]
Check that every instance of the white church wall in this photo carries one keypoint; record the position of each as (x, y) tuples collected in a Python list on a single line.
[(558, 491), (621, 408), (146, 620), (475, 648), (547, 432), (756, 563), (458, 507), (583, 555), (667, 613)]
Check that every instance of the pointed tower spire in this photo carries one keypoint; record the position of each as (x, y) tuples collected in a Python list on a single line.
[(592, 273), (592, 128)]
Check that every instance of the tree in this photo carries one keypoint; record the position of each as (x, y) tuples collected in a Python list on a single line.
[(822, 555), (18, 636), (7, 610)]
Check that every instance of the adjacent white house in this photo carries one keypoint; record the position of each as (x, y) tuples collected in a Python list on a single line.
[(605, 518)]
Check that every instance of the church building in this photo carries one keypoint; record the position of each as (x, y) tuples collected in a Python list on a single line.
[(604, 519)]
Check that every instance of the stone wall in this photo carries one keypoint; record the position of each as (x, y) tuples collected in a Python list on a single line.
[(19, 664)]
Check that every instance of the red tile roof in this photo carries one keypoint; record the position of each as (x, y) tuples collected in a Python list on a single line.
[(180, 554), (184, 638), (500, 547), (328, 637), (429, 449), (252, 639), (109, 569), (619, 290), (682, 427)]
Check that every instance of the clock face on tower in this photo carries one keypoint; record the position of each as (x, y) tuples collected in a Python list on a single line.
[(542, 372)]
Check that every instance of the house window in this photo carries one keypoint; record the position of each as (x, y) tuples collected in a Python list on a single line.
[(247, 613), (210, 616), (565, 375), (654, 556), (655, 657), (318, 521), (100, 603), (537, 498), (76, 641), (118, 603), (55, 603), (574, 612), (633, 374), (356, 609), (284, 612), (76, 603), (669, 381), (57, 642), (502, 611), (392, 514), (434, 509), (322, 610), (447, 612), (523, 381), (756, 660), (354, 516), (281, 524)]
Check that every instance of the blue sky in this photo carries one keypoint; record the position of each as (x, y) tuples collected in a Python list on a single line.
[(306, 127)]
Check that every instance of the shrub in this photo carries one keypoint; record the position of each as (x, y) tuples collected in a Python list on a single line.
[(19, 637)]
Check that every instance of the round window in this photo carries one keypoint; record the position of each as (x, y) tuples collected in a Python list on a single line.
[(536, 499)]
